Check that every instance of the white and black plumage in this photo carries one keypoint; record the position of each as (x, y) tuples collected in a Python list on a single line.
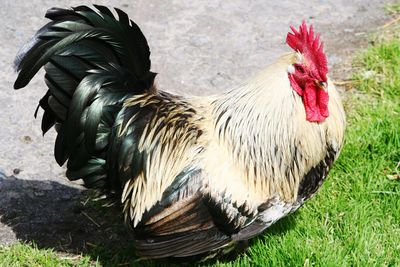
[(194, 175)]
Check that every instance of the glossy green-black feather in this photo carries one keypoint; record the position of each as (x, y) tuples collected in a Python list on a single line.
[(93, 62)]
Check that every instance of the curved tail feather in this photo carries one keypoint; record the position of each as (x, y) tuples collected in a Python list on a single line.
[(93, 62)]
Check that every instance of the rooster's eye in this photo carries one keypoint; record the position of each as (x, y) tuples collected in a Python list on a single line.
[(321, 84)]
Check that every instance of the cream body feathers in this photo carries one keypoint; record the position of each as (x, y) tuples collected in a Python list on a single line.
[(256, 145)]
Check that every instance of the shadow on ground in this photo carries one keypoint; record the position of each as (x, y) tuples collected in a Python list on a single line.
[(68, 220), (65, 219)]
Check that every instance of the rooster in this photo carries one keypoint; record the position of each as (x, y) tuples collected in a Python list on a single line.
[(198, 175)]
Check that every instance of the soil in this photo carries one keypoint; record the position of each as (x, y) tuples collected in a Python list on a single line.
[(198, 47)]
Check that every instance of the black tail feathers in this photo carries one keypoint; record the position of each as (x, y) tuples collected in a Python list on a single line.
[(93, 62)]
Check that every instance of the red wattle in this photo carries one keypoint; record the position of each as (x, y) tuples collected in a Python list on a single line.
[(315, 102), (323, 100)]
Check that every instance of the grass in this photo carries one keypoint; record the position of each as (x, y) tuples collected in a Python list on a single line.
[(30, 255), (393, 9), (353, 221)]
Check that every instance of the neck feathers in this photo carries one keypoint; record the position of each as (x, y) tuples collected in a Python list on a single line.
[(262, 124)]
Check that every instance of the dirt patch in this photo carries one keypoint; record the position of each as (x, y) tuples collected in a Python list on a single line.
[(53, 215)]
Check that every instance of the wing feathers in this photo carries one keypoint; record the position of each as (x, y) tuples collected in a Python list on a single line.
[(183, 233)]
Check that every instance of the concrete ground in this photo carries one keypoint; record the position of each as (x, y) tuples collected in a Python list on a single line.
[(198, 47)]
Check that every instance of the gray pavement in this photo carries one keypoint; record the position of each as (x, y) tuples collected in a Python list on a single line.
[(198, 47)]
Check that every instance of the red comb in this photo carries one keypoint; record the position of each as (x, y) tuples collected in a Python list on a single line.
[(311, 48)]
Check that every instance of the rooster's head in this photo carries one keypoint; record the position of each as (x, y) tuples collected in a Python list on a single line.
[(308, 75)]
